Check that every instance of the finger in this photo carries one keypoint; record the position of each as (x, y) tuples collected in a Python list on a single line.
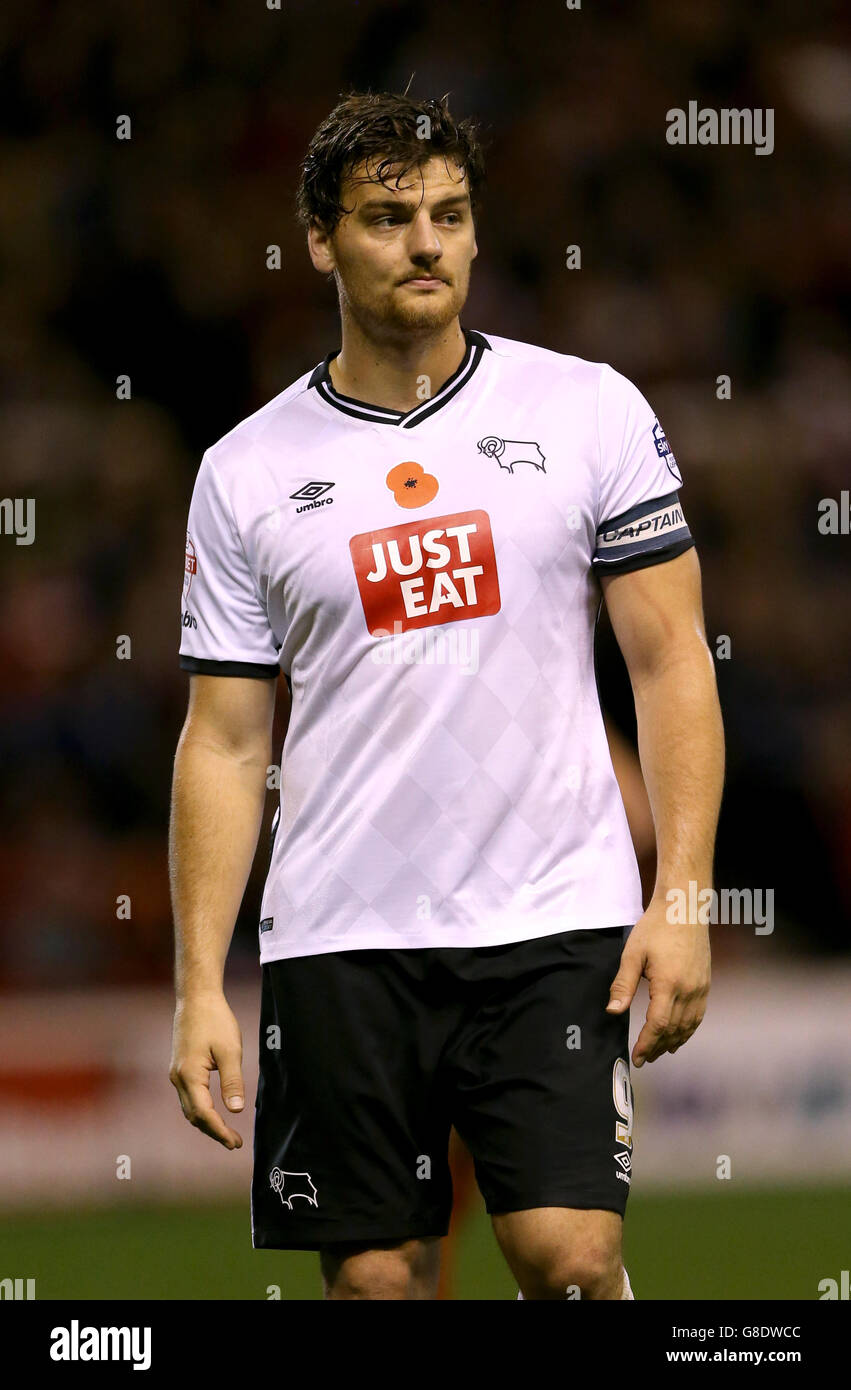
[(678, 1032), (228, 1062), (676, 1015), (625, 983), (655, 1028), (665, 1015), (200, 1111), (667, 1043), (689, 1026)]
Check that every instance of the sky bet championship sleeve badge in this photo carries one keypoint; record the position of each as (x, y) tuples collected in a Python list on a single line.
[(190, 566), (663, 449)]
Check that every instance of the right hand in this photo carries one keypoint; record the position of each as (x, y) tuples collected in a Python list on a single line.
[(207, 1039)]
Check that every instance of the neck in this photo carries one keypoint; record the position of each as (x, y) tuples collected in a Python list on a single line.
[(398, 372)]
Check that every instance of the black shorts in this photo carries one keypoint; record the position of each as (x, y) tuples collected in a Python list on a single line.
[(367, 1058)]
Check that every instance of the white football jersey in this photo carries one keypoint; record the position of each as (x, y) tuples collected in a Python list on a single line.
[(427, 581)]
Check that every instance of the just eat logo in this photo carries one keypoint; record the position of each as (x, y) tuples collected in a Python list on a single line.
[(438, 570)]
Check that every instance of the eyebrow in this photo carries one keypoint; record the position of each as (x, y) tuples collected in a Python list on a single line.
[(402, 205)]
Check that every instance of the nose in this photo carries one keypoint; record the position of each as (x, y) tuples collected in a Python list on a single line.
[(423, 241)]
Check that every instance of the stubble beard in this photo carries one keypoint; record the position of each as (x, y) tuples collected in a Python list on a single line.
[(400, 315)]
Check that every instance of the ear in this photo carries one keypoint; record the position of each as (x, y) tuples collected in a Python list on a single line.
[(321, 250)]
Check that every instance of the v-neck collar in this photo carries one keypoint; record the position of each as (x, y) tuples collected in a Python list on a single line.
[(406, 419)]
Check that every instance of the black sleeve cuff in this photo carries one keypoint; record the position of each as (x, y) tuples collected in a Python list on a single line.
[(201, 666)]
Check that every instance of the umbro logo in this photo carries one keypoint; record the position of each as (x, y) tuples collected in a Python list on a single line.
[(311, 495), (510, 451), (624, 1160)]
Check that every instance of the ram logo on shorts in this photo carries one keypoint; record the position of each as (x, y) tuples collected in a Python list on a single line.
[(289, 1185)]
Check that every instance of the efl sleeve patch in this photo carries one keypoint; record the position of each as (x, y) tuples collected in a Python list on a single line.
[(649, 532), (224, 624)]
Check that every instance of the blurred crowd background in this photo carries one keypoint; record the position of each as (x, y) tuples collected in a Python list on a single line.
[(147, 258)]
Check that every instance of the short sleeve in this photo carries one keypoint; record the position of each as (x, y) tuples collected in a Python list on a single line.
[(640, 517), (224, 624)]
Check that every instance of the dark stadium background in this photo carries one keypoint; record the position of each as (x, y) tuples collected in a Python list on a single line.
[(147, 258)]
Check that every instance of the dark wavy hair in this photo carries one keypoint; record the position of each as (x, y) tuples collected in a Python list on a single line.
[(382, 131)]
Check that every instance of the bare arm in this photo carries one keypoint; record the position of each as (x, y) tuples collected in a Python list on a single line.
[(218, 796), (633, 793), (657, 617)]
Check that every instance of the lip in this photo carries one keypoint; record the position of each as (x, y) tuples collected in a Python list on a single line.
[(425, 281)]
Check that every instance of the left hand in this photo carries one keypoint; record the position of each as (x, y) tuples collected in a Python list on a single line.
[(675, 960)]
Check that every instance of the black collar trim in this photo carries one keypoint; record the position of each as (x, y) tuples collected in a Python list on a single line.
[(379, 414)]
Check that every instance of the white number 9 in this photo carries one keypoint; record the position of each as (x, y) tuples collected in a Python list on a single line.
[(622, 1096)]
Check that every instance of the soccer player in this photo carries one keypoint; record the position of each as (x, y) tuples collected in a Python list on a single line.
[(419, 532)]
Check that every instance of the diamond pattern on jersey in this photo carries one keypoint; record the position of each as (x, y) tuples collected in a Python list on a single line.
[(458, 791)]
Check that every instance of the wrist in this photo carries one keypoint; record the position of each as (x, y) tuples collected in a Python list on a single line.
[(191, 988), (685, 901), (691, 881)]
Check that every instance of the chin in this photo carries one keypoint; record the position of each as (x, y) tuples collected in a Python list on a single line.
[(433, 312)]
